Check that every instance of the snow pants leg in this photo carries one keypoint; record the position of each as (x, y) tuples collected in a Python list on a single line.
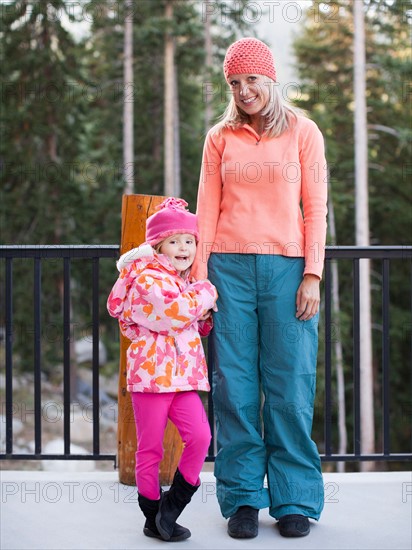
[(264, 387)]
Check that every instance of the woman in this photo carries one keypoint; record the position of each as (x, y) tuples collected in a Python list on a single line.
[(262, 221)]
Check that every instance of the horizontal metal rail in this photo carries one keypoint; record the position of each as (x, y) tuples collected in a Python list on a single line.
[(94, 253)]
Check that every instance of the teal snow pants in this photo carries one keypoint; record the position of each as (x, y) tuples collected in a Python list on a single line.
[(264, 381)]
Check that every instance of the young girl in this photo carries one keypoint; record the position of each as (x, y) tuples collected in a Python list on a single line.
[(161, 312)]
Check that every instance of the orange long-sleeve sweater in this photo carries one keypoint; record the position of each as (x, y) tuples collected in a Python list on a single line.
[(263, 196)]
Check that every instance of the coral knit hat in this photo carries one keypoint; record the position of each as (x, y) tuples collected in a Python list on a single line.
[(172, 217), (249, 56)]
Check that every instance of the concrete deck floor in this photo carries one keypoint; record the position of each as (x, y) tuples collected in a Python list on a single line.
[(49, 510)]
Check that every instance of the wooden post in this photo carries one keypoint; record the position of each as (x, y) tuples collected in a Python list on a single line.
[(135, 210)]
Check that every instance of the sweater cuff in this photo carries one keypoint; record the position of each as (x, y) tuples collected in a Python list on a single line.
[(314, 270)]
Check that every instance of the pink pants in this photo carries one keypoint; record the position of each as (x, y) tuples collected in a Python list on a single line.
[(151, 411)]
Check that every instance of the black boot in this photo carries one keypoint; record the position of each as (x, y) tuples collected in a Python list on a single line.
[(150, 509), (172, 505)]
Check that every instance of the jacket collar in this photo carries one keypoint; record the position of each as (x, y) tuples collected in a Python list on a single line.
[(146, 253), (142, 251)]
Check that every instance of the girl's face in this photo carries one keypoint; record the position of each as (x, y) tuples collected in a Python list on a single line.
[(250, 92), (180, 249)]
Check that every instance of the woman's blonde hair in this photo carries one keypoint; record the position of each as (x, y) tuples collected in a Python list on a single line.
[(279, 115)]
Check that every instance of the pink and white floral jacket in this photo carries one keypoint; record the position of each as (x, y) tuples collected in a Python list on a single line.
[(159, 311)]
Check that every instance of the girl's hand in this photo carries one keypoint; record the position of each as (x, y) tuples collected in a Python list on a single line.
[(205, 316), (308, 298)]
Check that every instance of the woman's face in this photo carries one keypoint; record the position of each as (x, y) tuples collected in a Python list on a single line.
[(250, 92)]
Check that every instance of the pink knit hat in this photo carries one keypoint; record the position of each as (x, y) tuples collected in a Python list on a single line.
[(172, 217), (249, 56)]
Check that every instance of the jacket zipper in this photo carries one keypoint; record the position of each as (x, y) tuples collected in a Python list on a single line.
[(177, 354)]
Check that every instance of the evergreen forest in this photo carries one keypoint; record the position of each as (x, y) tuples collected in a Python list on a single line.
[(61, 150)]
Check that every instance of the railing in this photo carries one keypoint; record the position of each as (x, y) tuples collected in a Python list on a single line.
[(385, 255), (94, 253), (67, 254)]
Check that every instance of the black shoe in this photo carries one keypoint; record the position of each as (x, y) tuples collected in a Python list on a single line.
[(244, 523), (294, 525), (150, 509)]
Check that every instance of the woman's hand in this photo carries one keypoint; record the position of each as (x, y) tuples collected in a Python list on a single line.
[(308, 298)]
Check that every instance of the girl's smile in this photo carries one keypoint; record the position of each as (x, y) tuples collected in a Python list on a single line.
[(180, 249)]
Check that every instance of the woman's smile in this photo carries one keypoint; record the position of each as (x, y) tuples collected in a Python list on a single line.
[(250, 92), (249, 100)]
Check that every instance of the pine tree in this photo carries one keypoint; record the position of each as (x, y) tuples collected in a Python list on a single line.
[(62, 114), (40, 117), (325, 65), (41, 114)]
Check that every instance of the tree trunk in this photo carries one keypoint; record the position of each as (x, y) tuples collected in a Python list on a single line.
[(340, 377), (53, 157), (135, 211), (169, 106), (128, 141), (362, 236), (209, 61), (176, 133)]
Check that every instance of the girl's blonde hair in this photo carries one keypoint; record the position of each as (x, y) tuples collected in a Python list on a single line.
[(158, 246), (279, 115)]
